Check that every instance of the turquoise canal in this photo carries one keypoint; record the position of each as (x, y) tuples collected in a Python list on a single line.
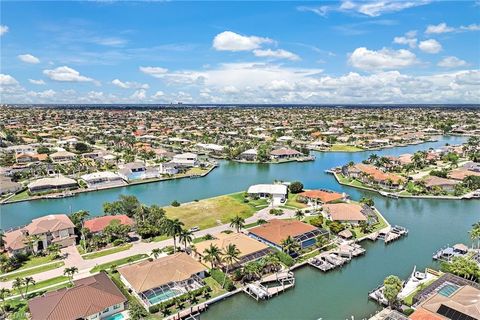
[(336, 295)]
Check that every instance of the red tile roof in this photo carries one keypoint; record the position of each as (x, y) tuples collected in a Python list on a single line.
[(321, 195), (98, 224), (277, 230)]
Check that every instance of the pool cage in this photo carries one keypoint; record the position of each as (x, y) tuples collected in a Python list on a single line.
[(171, 290)]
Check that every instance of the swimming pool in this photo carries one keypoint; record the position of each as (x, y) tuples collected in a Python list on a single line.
[(117, 316), (447, 289), (157, 297)]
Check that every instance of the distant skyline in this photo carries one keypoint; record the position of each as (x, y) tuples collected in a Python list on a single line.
[(240, 52)]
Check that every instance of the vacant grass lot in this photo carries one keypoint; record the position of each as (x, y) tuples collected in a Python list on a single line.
[(292, 202), (205, 213), (344, 148)]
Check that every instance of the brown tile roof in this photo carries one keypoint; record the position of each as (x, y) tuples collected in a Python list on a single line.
[(422, 314), (432, 181), (244, 244), (377, 174), (147, 275), (50, 223), (284, 152), (89, 296), (98, 224), (345, 212), (14, 240), (461, 173), (321, 195), (277, 230)]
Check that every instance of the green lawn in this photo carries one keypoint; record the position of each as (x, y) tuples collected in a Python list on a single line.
[(119, 262), (35, 261), (216, 287), (376, 227), (33, 271), (344, 148), (292, 202), (408, 300), (20, 196), (106, 252), (46, 283), (205, 213)]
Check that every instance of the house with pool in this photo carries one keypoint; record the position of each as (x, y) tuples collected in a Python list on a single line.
[(275, 231), (277, 192), (162, 279)]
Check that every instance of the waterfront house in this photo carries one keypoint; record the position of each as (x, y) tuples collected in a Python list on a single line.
[(250, 249), (52, 184), (8, 186), (451, 302), (317, 197), (137, 171), (167, 168), (371, 175), (102, 179), (30, 157), (248, 155), (447, 185), (278, 192), (49, 229), (162, 279), (462, 173), (98, 224), (275, 231), (284, 153), (351, 213), (186, 160), (92, 298), (21, 149), (62, 156)]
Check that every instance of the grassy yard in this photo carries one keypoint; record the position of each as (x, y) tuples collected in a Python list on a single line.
[(20, 196), (35, 261), (106, 252), (216, 287), (119, 262), (376, 227), (292, 202), (344, 148), (33, 271), (409, 299), (205, 213), (46, 283)]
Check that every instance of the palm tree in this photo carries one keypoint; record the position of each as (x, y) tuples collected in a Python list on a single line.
[(4, 292), (2, 239), (237, 222), (70, 272), (30, 241), (212, 254), (174, 227), (290, 245), (78, 218), (18, 285), (185, 237), (28, 281), (54, 249), (299, 214), (373, 158), (272, 262), (156, 253), (475, 233), (230, 255)]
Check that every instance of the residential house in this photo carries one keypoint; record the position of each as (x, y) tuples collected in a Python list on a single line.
[(248, 155), (277, 192), (250, 249), (352, 213), (371, 175), (98, 224), (52, 184), (275, 231), (284, 153), (102, 179), (8, 186), (49, 229), (162, 279), (186, 160), (92, 298), (137, 171), (317, 197), (62, 156), (447, 185)]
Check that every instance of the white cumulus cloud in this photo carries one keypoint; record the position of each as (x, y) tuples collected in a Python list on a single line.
[(7, 80), (37, 82), (66, 74), (3, 29), (139, 95), (439, 28), (276, 54), (154, 71), (130, 85), (451, 62), (430, 46), (231, 41), (384, 59), (28, 58)]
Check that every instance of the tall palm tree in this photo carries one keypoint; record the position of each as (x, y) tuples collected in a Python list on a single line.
[(78, 218), (290, 245), (173, 228), (271, 262), (18, 284), (230, 255), (299, 214), (237, 222), (30, 241), (212, 254), (69, 272), (28, 281), (54, 249), (475, 233), (156, 253), (185, 237)]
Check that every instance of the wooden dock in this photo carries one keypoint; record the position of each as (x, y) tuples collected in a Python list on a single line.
[(270, 286)]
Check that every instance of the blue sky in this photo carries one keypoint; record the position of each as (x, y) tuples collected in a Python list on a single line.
[(240, 52)]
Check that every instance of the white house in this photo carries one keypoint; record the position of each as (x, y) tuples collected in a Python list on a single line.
[(278, 192), (186, 159), (102, 178)]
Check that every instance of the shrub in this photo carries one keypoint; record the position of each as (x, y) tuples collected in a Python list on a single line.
[(219, 276), (118, 242), (285, 258), (317, 221), (154, 309), (175, 203), (276, 212), (296, 187)]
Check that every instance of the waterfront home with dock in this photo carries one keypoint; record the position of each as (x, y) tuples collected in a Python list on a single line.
[(52, 184), (372, 175), (284, 154), (250, 249), (49, 229), (156, 281), (351, 213), (186, 160), (319, 197), (102, 179), (95, 297), (275, 231)]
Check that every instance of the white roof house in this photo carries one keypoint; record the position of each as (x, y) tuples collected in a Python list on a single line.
[(59, 182), (185, 159), (250, 152), (277, 191)]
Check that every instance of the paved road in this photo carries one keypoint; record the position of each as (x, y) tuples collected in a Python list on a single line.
[(84, 266)]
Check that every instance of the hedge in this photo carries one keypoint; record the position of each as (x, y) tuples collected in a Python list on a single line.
[(220, 277), (285, 258)]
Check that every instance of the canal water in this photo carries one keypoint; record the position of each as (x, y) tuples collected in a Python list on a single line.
[(336, 295)]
